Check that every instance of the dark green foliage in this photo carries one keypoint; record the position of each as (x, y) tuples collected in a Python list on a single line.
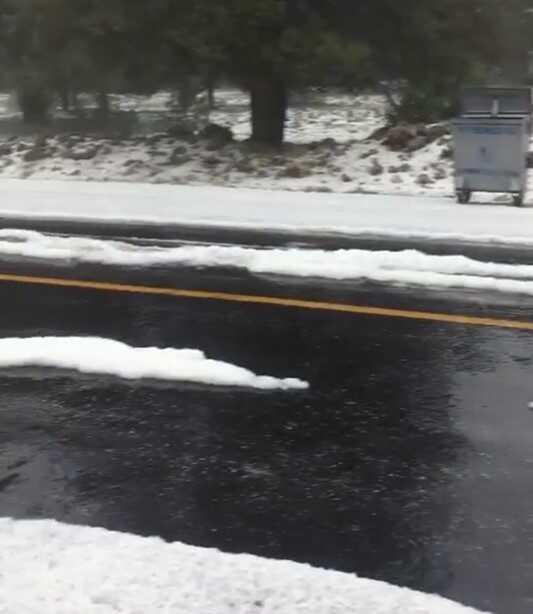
[(419, 52)]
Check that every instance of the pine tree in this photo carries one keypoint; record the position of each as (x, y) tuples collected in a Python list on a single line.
[(267, 46)]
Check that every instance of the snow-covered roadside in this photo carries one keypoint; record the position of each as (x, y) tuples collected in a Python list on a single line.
[(104, 356), (410, 267), (392, 216), (327, 149), (59, 569), (326, 166)]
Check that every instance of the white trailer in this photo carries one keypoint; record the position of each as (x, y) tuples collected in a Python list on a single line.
[(492, 141)]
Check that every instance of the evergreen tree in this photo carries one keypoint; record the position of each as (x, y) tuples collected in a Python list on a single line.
[(269, 47), (421, 52)]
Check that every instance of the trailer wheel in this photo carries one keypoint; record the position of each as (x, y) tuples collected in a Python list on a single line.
[(518, 199), (463, 196)]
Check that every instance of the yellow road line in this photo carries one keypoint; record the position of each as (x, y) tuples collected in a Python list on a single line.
[(269, 300)]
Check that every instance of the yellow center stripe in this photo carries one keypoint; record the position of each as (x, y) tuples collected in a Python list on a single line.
[(269, 300)]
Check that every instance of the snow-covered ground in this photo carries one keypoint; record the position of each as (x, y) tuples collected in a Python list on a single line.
[(343, 117), (161, 159), (52, 568), (410, 267), (352, 214), (105, 356), (327, 150)]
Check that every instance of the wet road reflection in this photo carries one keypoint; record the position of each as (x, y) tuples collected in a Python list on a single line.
[(410, 459)]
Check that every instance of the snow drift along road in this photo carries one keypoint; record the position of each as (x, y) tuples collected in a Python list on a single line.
[(408, 267), (53, 568)]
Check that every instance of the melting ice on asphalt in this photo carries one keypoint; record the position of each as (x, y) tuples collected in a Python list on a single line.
[(105, 356), (408, 267), (59, 569)]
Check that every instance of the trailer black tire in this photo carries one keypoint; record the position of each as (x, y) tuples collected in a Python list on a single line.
[(518, 199), (463, 196)]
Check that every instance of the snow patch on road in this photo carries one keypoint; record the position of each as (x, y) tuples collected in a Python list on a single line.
[(59, 569), (104, 356), (409, 267)]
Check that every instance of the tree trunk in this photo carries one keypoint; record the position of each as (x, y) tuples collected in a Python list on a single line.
[(211, 101), (211, 87), (103, 105), (269, 110), (186, 93), (34, 104), (64, 96), (75, 102)]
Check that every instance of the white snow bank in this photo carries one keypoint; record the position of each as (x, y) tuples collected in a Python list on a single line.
[(52, 568), (353, 214), (104, 356), (404, 267)]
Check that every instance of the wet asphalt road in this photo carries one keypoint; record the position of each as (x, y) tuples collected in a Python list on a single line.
[(410, 459)]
